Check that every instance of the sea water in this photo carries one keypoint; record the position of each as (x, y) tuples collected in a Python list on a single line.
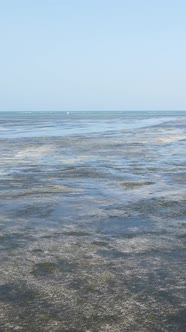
[(93, 221)]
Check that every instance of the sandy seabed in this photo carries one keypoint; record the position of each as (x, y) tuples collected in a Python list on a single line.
[(93, 230)]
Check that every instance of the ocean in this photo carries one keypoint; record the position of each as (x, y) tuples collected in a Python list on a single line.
[(93, 221)]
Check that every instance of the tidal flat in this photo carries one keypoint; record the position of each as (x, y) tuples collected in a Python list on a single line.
[(93, 222)]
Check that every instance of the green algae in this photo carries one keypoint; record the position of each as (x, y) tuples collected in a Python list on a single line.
[(113, 253), (134, 185), (46, 269), (76, 233), (15, 293), (11, 241), (37, 250), (100, 243)]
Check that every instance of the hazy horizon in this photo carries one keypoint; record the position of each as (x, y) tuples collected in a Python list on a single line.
[(72, 111)]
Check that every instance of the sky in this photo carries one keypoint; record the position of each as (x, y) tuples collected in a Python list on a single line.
[(92, 55)]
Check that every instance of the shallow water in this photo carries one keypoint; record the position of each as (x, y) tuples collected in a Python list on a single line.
[(93, 221)]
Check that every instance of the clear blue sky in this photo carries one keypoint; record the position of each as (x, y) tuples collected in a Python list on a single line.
[(92, 54)]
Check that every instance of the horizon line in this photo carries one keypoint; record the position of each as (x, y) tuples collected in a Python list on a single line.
[(113, 110)]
